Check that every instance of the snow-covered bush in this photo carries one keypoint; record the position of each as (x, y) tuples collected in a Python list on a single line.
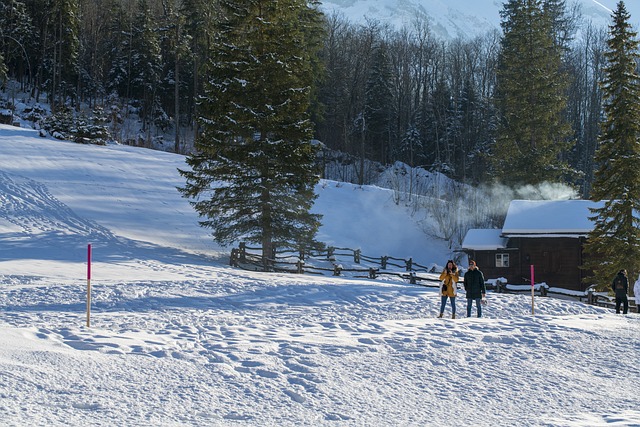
[(65, 125)]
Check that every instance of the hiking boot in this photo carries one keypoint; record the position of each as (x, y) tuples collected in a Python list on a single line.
[(440, 317), (453, 316)]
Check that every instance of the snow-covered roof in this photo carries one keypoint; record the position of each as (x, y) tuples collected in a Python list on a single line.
[(484, 239), (540, 218), (567, 217)]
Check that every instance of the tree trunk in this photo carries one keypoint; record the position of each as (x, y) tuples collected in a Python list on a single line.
[(176, 89)]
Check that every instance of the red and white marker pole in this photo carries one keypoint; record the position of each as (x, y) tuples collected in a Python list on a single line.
[(532, 290)]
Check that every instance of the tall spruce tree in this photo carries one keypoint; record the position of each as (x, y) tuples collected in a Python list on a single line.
[(16, 40), (532, 133), (117, 45), (253, 173), (614, 242), (146, 64), (3, 70), (64, 27), (199, 19), (378, 105)]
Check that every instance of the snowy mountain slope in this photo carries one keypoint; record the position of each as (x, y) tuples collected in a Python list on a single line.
[(115, 197), (458, 18), (178, 338)]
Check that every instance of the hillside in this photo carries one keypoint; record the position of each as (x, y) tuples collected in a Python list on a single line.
[(459, 18), (179, 338), (77, 185)]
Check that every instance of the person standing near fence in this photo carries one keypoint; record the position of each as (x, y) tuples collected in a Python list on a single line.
[(448, 287), (620, 287), (475, 288)]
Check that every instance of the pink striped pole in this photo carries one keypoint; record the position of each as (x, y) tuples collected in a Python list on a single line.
[(532, 290), (89, 285)]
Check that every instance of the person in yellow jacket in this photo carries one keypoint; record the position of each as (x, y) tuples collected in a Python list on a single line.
[(448, 287)]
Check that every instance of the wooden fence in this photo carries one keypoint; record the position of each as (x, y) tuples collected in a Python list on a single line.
[(604, 299), (295, 261)]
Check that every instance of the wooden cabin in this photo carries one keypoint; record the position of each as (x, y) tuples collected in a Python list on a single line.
[(548, 234)]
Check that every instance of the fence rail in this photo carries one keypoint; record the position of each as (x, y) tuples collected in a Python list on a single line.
[(287, 260)]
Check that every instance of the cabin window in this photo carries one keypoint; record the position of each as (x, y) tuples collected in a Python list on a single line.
[(502, 260)]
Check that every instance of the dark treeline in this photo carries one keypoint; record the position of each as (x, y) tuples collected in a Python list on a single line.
[(386, 94), (406, 95)]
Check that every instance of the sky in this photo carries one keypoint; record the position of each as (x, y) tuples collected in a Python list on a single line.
[(460, 18), (177, 337)]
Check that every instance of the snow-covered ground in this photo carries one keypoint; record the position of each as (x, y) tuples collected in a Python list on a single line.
[(179, 338)]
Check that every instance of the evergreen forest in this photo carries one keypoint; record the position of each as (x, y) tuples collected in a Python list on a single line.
[(380, 94)]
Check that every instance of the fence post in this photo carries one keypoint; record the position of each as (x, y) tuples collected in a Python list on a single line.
[(356, 256), (409, 264), (233, 260), (336, 270), (383, 262), (243, 252), (412, 278), (302, 254), (330, 251), (300, 265), (372, 273), (269, 256)]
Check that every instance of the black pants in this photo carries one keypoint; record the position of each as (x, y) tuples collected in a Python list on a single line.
[(625, 303)]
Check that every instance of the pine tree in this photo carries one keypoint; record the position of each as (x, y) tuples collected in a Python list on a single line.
[(199, 23), (614, 243), (175, 54), (146, 63), (439, 125), (116, 46), (16, 35), (253, 173), (469, 134), (563, 25), (378, 104), (64, 27), (532, 134), (3, 69)]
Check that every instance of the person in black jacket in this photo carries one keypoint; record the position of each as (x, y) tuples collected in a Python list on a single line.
[(620, 287), (474, 285)]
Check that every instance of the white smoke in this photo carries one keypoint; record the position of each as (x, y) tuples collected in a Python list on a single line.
[(499, 196), (545, 191)]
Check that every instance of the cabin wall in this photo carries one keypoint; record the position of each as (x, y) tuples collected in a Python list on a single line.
[(556, 261), (486, 262)]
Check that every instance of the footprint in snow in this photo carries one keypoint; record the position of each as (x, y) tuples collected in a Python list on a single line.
[(439, 343), (238, 417), (267, 374), (295, 396), (252, 363), (297, 367), (336, 417)]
